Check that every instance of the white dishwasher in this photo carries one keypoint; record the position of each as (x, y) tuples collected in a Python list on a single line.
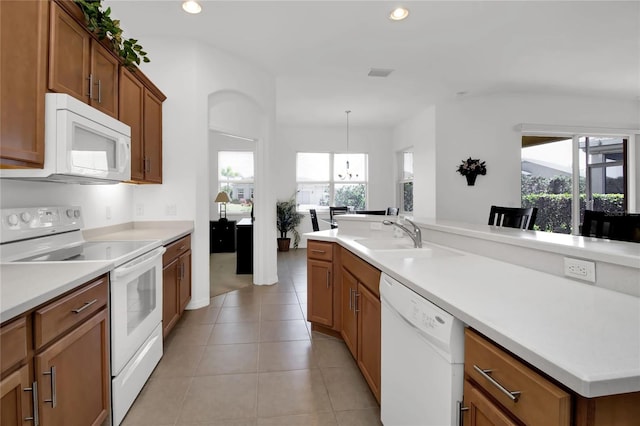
[(422, 359)]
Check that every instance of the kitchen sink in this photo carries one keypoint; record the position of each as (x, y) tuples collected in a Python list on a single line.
[(388, 244)]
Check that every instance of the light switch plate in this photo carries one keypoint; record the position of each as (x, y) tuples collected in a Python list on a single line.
[(580, 269)]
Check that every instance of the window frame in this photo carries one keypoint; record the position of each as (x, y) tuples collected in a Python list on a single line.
[(401, 180), (222, 181), (333, 181)]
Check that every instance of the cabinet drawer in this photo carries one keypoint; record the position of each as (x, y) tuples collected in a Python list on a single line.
[(365, 273), (319, 250), (175, 249), (539, 402), (13, 343), (56, 318)]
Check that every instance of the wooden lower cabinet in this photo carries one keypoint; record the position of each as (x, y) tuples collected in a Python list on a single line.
[(73, 376), (16, 399), (349, 329), (369, 348), (320, 292), (70, 368), (176, 282), (481, 411)]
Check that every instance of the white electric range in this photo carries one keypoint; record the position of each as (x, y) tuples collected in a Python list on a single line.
[(53, 234)]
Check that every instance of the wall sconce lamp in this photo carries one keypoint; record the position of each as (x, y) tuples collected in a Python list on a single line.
[(223, 199)]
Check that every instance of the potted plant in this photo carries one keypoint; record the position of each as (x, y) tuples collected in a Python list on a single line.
[(288, 218)]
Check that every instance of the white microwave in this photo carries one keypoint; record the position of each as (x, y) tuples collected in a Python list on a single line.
[(82, 145)]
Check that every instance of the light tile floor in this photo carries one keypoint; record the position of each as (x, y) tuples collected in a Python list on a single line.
[(250, 359)]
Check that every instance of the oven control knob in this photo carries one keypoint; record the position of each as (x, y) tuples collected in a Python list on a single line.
[(26, 217), (76, 213), (70, 213), (12, 219)]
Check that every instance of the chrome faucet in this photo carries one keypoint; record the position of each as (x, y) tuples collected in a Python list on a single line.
[(416, 234)]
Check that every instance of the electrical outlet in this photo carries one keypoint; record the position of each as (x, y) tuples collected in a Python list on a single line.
[(108, 212), (171, 210), (139, 209), (580, 269)]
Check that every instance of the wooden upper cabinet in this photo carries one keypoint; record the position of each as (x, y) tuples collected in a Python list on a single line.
[(104, 77), (23, 74), (69, 55), (152, 137), (79, 65), (131, 100)]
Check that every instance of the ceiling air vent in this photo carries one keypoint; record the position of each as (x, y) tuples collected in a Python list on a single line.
[(379, 72)]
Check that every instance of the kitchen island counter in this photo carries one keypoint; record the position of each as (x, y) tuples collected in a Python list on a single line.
[(586, 337)]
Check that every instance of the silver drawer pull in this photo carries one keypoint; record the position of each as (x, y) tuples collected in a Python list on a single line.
[(34, 398), (182, 248), (83, 307), (513, 395), (54, 398), (318, 251)]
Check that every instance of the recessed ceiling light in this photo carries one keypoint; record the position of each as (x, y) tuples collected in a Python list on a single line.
[(191, 6), (398, 14)]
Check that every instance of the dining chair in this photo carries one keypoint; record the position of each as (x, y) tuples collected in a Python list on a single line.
[(334, 211), (314, 220), (613, 226), (393, 211), (513, 217)]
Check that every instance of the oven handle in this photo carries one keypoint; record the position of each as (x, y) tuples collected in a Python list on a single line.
[(140, 263)]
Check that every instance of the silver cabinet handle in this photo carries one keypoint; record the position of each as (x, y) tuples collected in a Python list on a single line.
[(318, 251), (52, 373), (328, 276), (461, 409), (513, 395), (355, 302), (99, 91), (182, 248), (350, 298), (34, 398), (83, 307)]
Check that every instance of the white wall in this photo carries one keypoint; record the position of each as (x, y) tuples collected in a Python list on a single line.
[(188, 73), (485, 128), (93, 199), (419, 132)]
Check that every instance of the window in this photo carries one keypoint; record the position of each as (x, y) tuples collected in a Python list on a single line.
[(235, 177), (548, 176), (405, 181), (327, 179)]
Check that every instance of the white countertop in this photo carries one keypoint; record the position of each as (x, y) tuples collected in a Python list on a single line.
[(24, 286), (587, 338)]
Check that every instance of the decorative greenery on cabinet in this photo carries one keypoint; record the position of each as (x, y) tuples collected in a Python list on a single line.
[(100, 23)]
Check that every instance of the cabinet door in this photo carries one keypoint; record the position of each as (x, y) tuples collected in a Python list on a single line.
[(320, 292), (368, 309), (152, 138), (69, 45), (481, 411), (16, 402), (170, 303), (73, 376), (184, 280), (349, 319), (130, 112), (104, 72), (23, 73)]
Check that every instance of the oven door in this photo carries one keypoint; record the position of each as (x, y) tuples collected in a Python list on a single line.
[(136, 305)]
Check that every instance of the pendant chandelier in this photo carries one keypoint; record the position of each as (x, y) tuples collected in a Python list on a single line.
[(347, 174)]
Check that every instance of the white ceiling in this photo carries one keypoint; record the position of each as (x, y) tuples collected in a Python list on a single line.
[(320, 51)]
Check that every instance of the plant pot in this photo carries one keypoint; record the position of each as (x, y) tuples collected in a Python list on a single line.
[(283, 244), (471, 179)]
